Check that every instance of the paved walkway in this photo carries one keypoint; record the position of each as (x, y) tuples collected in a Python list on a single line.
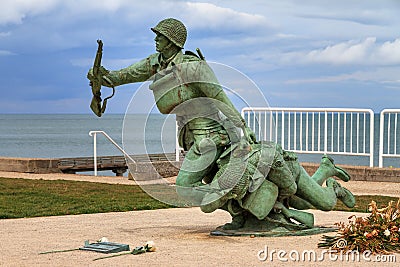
[(181, 236)]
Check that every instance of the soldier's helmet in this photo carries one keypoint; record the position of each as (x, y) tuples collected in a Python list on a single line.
[(173, 29)]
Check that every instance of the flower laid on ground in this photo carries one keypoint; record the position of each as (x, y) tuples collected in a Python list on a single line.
[(103, 239), (149, 246), (378, 232)]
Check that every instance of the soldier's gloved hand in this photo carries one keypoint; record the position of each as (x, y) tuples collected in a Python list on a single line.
[(103, 71), (249, 135), (90, 75)]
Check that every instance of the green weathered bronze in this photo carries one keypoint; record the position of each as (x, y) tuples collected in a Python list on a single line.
[(262, 186), (96, 77), (185, 85), (261, 202)]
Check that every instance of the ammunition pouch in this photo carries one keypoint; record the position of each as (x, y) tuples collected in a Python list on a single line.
[(171, 90)]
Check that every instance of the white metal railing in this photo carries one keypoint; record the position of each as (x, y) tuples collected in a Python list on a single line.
[(389, 132), (315, 130), (94, 134), (178, 149)]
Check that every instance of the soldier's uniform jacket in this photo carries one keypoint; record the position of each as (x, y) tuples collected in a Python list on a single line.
[(186, 86)]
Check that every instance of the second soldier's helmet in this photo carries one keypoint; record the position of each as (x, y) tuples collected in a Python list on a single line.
[(173, 29)]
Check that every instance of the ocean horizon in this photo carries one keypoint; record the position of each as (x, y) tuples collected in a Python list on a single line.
[(67, 135)]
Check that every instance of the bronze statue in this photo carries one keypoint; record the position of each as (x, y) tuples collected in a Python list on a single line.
[(255, 182)]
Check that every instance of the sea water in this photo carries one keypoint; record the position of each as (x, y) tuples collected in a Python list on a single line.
[(67, 135)]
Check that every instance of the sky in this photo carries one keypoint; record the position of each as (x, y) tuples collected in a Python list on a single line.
[(309, 53)]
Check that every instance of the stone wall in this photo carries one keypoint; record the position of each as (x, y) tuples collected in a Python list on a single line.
[(168, 169), (29, 165)]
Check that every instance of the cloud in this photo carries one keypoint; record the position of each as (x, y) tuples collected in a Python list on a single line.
[(384, 75), (14, 11), (366, 17), (110, 63), (196, 14), (389, 52), (364, 52), (210, 16), (58, 24), (5, 34), (343, 53), (6, 53)]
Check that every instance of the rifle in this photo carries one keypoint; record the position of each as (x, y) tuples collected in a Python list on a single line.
[(98, 73), (303, 217), (200, 54)]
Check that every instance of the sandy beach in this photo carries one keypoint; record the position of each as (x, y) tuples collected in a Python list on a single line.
[(182, 236)]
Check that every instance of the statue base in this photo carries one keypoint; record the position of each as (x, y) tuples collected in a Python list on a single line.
[(270, 227)]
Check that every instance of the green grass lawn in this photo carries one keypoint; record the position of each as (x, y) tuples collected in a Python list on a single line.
[(32, 198), (363, 201)]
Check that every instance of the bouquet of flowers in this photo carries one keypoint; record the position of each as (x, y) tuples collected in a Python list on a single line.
[(379, 232)]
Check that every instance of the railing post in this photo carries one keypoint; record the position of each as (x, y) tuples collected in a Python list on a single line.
[(94, 152), (326, 133), (371, 138), (177, 148), (283, 129), (381, 124), (94, 134)]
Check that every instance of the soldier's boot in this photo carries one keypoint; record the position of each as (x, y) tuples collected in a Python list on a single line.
[(342, 193), (328, 169), (237, 222), (238, 215)]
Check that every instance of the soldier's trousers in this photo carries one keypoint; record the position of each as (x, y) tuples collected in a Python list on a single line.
[(199, 163)]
